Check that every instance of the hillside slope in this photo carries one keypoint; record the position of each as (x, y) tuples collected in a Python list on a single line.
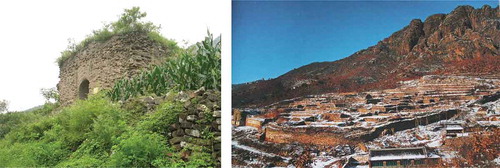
[(467, 40)]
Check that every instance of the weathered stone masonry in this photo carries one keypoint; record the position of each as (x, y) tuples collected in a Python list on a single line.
[(202, 116), (100, 65)]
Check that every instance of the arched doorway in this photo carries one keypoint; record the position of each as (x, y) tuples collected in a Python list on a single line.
[(84, 89)]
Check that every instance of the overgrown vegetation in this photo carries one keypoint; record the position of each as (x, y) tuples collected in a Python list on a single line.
[(93, 132), (129, 21), (189, 71)]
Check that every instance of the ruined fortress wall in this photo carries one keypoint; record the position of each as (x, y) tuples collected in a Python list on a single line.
[(306, 137), (102, 64), (409, 124)]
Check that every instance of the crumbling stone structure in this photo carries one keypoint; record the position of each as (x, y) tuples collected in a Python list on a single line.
[(200, 124), (101, 64)]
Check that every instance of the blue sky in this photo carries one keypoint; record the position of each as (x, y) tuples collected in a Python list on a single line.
[(272, 38)]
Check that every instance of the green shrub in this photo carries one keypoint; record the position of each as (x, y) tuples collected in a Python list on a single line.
[(16, 155), (77, 119), (159, 121), (168, 43), (84, 161), (46, 109), (138, 149), (106, 129), (198, 157), (29, 154), (134, 110), (48, 154), (10, 121), (15, 120), (31, 131)]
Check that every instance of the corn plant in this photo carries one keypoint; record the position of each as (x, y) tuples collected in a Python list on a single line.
[(189, 71)]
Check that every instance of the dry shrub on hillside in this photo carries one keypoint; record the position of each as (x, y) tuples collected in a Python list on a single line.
[(479, 149)]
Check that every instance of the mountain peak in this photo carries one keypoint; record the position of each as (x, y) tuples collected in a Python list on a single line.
[(466, 40)]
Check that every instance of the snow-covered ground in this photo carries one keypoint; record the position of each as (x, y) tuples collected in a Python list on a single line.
[(323, 161), (253, 150), (428, 135), (497, 160), (245, 128)]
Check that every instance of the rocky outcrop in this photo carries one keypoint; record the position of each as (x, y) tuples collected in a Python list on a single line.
[(101, 64), (467, 40)]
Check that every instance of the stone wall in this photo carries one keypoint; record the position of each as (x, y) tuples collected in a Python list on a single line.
[(200, 124), (409, 124), (306, 136), (101, 64)]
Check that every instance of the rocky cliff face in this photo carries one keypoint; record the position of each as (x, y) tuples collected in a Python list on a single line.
[(467, 40), (100, 65)]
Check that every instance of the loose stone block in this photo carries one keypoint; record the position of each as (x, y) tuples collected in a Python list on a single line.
[(201, 108), (179, 132), (217, 113), (186, 125), (200, 91), (176, 140), (174, 126), (191, 117), (193, 132)]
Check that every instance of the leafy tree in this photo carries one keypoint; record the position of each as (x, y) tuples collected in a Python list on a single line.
[(131, 21), (50, 94), (4, 106)]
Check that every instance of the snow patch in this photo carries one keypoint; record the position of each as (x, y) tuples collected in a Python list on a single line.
[(253, 150), (324, 161), (497, 160), (245, 128)]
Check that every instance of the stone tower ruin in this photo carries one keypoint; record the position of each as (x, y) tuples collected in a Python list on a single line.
[(101, 64)]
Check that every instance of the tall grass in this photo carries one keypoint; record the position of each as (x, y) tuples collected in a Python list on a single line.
[(189, 71)]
